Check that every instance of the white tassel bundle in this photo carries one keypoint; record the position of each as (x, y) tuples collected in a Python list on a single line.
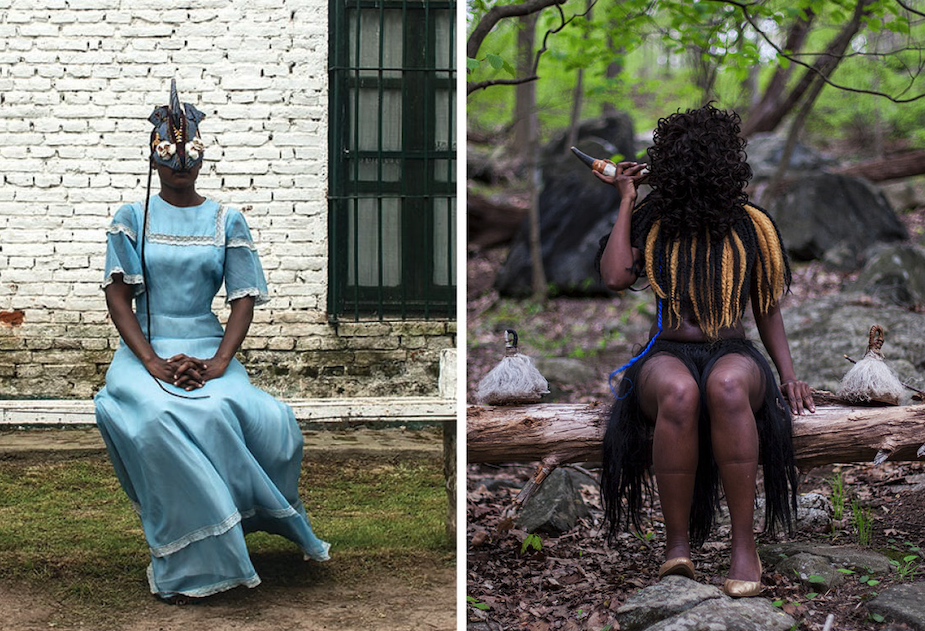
[(514, 380), (871, 379)]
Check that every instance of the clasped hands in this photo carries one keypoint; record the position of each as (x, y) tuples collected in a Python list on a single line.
[(186, 372)]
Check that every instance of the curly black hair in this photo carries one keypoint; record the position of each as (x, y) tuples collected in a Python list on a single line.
[(698, 171), (700, 238)]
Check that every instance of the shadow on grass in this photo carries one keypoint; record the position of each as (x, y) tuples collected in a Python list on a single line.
[(68, 533)]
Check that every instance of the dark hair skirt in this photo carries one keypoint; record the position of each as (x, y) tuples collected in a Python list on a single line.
[(628, 444)]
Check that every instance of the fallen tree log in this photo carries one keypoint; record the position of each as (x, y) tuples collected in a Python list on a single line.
[(555, 434), (895, 167)]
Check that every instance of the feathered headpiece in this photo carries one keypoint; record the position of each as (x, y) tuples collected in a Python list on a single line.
[(175, 141)]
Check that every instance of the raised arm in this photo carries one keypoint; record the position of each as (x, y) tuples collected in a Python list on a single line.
[(771, 329), (618, 261)]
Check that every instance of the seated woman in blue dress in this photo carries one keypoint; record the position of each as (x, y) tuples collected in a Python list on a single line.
[(203, 455)]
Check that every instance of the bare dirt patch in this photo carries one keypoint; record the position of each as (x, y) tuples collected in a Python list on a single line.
[(349, 592), (425, 600)]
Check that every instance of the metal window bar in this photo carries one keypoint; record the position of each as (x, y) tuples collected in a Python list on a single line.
[(392, 176)]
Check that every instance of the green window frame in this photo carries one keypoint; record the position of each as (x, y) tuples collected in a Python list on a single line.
[(392, 157)]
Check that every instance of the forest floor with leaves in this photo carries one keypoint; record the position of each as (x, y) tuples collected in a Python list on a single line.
[(577, 581)]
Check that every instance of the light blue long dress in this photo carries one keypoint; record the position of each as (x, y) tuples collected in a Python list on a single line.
[(200, 472)]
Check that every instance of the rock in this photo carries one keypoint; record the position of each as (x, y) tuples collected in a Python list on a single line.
[(726, 614), (679, 604), (670, 596), (847, 557), (821, 331), (816, 572), (824, 211), (814, 512), (903, 194), (765, 151), (576, 210), (902, 603), (893, 275), (555, 508), (565, 370)]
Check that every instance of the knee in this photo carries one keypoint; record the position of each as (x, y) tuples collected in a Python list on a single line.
[(727, 391), (679, 405)]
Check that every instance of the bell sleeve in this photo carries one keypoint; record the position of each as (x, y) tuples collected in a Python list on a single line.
[(243, 271), (121, 250)]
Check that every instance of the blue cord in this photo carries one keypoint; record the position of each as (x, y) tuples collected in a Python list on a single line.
[(635, 359)]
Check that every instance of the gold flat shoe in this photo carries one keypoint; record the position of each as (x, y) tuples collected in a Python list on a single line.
[(680, 566), (743, 589)]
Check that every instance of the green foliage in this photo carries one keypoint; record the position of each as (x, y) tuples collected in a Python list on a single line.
[(863, 524), (660, 51), (531, 541), (838, 496), (472, 602), (908, 567)]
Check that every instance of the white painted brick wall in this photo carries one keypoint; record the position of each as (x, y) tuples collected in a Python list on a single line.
[(78, 80)]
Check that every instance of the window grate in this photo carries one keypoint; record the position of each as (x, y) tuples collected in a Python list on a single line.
[(392, 147)]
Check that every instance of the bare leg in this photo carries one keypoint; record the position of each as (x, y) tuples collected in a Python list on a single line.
[(670, 395), (734, 390)]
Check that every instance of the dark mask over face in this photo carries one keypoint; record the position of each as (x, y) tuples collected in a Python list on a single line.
[(175, 141)]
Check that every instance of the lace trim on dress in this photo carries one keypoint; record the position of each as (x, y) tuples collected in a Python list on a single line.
[(220, 528), (241, 243), (324, 556), (260, 296), (201, 592), (218, 239), (128, 279), (116, 228)]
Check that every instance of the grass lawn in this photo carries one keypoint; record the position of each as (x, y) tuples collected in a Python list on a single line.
[(68, 531)]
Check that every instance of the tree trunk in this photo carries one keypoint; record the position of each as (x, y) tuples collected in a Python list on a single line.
[(763, 106), (768, 118), (526, 145), (578, 94), (560, 433), (524, 93), (795, 128)]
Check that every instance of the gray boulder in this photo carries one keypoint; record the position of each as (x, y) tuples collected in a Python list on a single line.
[(576, 210), (726, 614), (814, 571), (904, 194), (556, 507), (894, 274), (821, 331), (561, 371), (669, 597), (814, 512), (679, 604), (765, 151), (902, 603), (847, 557), (825, 211)]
